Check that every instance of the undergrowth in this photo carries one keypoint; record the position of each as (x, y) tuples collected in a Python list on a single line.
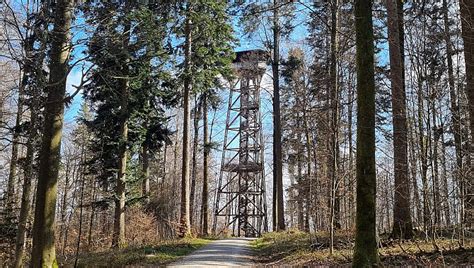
[(158, 254), (299, 248)]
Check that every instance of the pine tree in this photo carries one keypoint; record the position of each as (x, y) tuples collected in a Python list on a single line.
[(207, 50), (135, 63)]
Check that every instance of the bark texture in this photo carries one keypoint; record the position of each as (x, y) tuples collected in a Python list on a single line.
[(278, 207), (402, 223), (467, 19), (365, 251), (43, 253), (185, 220), (205, 174)]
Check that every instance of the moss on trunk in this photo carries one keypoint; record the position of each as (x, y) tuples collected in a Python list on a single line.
[(43, 254)]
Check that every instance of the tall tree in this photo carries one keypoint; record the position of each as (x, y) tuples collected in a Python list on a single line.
[(278, 202), (467, 20), (295, 100), (32, 80), (333, 151), (207, 48), (365, 251), (185, 218), (453, 95), (402, 224), (128, 122), (258, 16), (44, 254), (119, 219), (197, 115), (205, 173)]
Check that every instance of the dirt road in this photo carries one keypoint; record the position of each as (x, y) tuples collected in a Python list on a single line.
[(220, 253)]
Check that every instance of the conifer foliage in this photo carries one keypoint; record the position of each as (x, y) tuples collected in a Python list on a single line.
[(364, 118)]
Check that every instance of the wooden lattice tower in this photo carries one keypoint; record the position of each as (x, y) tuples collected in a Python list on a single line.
[(240, 201)]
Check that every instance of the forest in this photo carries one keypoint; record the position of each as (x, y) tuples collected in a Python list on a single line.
[(236, 133)]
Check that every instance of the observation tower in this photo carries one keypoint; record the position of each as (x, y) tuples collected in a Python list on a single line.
[(240, 206)]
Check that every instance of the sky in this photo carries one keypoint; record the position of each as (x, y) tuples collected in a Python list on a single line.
[(297, 38)]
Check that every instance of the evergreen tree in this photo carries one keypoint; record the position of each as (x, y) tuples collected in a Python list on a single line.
[(130, 54), (207, 51)]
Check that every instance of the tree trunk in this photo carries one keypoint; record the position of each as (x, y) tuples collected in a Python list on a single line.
[(118, 238), (205, 172), (44, 254), (174, 177), (365, 251), (31, 145), (455, 113), (447, 213), (10, 197), (307, 186), (333, 153), (351, 158), (467, 18), (81, 200), (197, 114), (435, 169), (146, 172), (63, 208), (299, 178), (185, 220), (26, 194), (413, 168), (165, 163), (402, 223), (92, 214), (278, 206)]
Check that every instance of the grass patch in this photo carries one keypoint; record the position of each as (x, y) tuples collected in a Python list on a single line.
[(160, 254), (303, 249), (295, 247)]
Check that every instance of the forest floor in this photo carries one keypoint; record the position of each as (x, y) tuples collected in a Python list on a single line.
[(152, 255), (294, 248), (290, 248)]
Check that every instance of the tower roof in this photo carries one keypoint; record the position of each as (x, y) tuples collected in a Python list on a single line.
[(253, 54)]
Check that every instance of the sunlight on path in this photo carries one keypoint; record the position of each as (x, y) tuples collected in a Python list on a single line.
[(221, 253)]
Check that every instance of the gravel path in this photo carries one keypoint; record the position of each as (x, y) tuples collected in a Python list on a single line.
[(220, 253)]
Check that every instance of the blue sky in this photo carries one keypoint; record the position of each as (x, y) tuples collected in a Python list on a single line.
[(74, 78)]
